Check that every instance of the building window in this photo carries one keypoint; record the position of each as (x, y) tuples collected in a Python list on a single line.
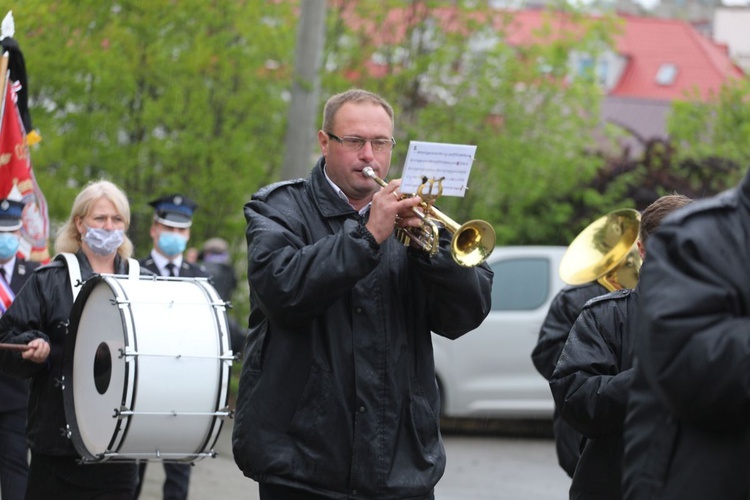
[(667, 74)]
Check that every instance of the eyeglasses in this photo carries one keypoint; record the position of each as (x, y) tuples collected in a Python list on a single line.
[(356, 143)]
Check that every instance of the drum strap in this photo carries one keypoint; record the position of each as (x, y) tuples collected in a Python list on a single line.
[(74, 271), (134, 269)]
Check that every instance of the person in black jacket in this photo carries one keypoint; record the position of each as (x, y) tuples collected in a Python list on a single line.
[(38, 319), (687, 432), (14, 393), (215, 258), (563, 311), (337, 396), (170, 232), (591, 380)]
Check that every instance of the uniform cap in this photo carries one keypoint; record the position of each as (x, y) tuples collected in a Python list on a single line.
[(10, 215), (174, 210)]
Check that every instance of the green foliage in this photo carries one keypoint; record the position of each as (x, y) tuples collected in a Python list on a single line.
[(159, 97), (452, 79), (191, 96), (704, 131)]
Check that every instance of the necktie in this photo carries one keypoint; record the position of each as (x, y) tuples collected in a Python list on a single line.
[(2, 273), (171, 268)]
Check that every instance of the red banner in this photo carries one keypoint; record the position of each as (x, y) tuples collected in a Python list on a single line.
[(17, 180)]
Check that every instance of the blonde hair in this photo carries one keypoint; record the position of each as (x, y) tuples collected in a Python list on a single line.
[(68, 239)]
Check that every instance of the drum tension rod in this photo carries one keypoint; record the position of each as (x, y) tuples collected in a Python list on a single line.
[(124, 412)]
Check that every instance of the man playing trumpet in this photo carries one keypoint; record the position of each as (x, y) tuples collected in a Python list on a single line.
[(337, 395)]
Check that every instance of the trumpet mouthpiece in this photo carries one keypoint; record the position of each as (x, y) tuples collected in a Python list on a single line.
[(368, 172)]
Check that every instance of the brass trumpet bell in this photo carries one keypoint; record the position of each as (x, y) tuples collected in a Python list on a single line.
[(605, 251), (471, 243)]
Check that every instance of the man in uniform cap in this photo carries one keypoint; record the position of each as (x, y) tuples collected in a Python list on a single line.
[(14, 393), (170, 232)]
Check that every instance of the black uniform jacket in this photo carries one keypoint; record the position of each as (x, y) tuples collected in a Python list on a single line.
[(338, 394), (187, 269), (14, 393), (563, 311), (688, 426), (590, 385), (41, 310)]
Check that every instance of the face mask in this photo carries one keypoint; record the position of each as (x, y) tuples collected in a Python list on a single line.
[(8, 245), (104, 241), (172, 244)]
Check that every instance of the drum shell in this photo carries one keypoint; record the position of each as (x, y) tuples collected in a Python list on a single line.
[(147, 368)]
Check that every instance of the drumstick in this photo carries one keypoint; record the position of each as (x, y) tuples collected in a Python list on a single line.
[(15, 347)]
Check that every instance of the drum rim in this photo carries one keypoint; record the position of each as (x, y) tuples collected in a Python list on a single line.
[(226, 369), (73, 430), (123, 424)]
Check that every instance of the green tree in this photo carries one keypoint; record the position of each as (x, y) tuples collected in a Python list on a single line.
[(705, 153), (159, 97), (453, 78), (710, 138)]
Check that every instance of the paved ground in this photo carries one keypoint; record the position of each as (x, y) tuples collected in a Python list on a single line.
[(211, 479), (480, 467)]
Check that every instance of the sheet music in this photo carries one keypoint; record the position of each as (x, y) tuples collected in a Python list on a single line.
[(435, 160)]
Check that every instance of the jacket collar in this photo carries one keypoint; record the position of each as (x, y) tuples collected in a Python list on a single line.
[(87, 271), (327, 200)]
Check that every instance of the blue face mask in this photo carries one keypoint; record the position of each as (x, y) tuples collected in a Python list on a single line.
[(8, 245), (172, 244)]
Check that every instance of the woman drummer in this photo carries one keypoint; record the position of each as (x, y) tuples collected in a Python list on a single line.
[(38, 319)]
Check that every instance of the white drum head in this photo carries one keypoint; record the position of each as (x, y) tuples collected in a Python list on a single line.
[(146, 378)]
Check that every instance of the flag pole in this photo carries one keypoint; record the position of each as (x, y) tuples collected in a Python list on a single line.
[(4, 78), (4, 66)]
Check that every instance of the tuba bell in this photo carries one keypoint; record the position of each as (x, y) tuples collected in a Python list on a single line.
[(472, 242), (605, 251)]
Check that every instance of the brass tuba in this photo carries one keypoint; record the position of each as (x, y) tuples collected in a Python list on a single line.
[(605, 251), (472, 242)]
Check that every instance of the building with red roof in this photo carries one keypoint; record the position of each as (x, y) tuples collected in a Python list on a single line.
[(668, 59), (655, 62)]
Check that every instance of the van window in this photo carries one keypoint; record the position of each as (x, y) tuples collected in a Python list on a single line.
[(520, 284)]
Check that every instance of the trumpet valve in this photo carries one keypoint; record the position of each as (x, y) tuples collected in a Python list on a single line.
[(403, 237)]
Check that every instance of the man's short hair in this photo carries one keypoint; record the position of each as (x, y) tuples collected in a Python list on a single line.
[(355, 95), (655, 213)]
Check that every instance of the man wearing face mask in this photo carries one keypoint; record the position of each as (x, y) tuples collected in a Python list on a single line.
[(170, 232), (14, 393)]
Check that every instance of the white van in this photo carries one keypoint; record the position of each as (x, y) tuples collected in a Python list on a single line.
[(488, 372)]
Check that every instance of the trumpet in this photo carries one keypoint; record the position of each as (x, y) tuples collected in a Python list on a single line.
[(471, 243)]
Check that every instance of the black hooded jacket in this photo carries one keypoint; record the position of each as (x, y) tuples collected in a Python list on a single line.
[(590, 385), (563, 311), (687, 433), (337, 394)]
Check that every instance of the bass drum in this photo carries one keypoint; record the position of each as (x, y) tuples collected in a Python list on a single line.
[(147, 368)]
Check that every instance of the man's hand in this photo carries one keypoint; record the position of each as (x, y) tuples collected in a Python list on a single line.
[(389, 210)]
